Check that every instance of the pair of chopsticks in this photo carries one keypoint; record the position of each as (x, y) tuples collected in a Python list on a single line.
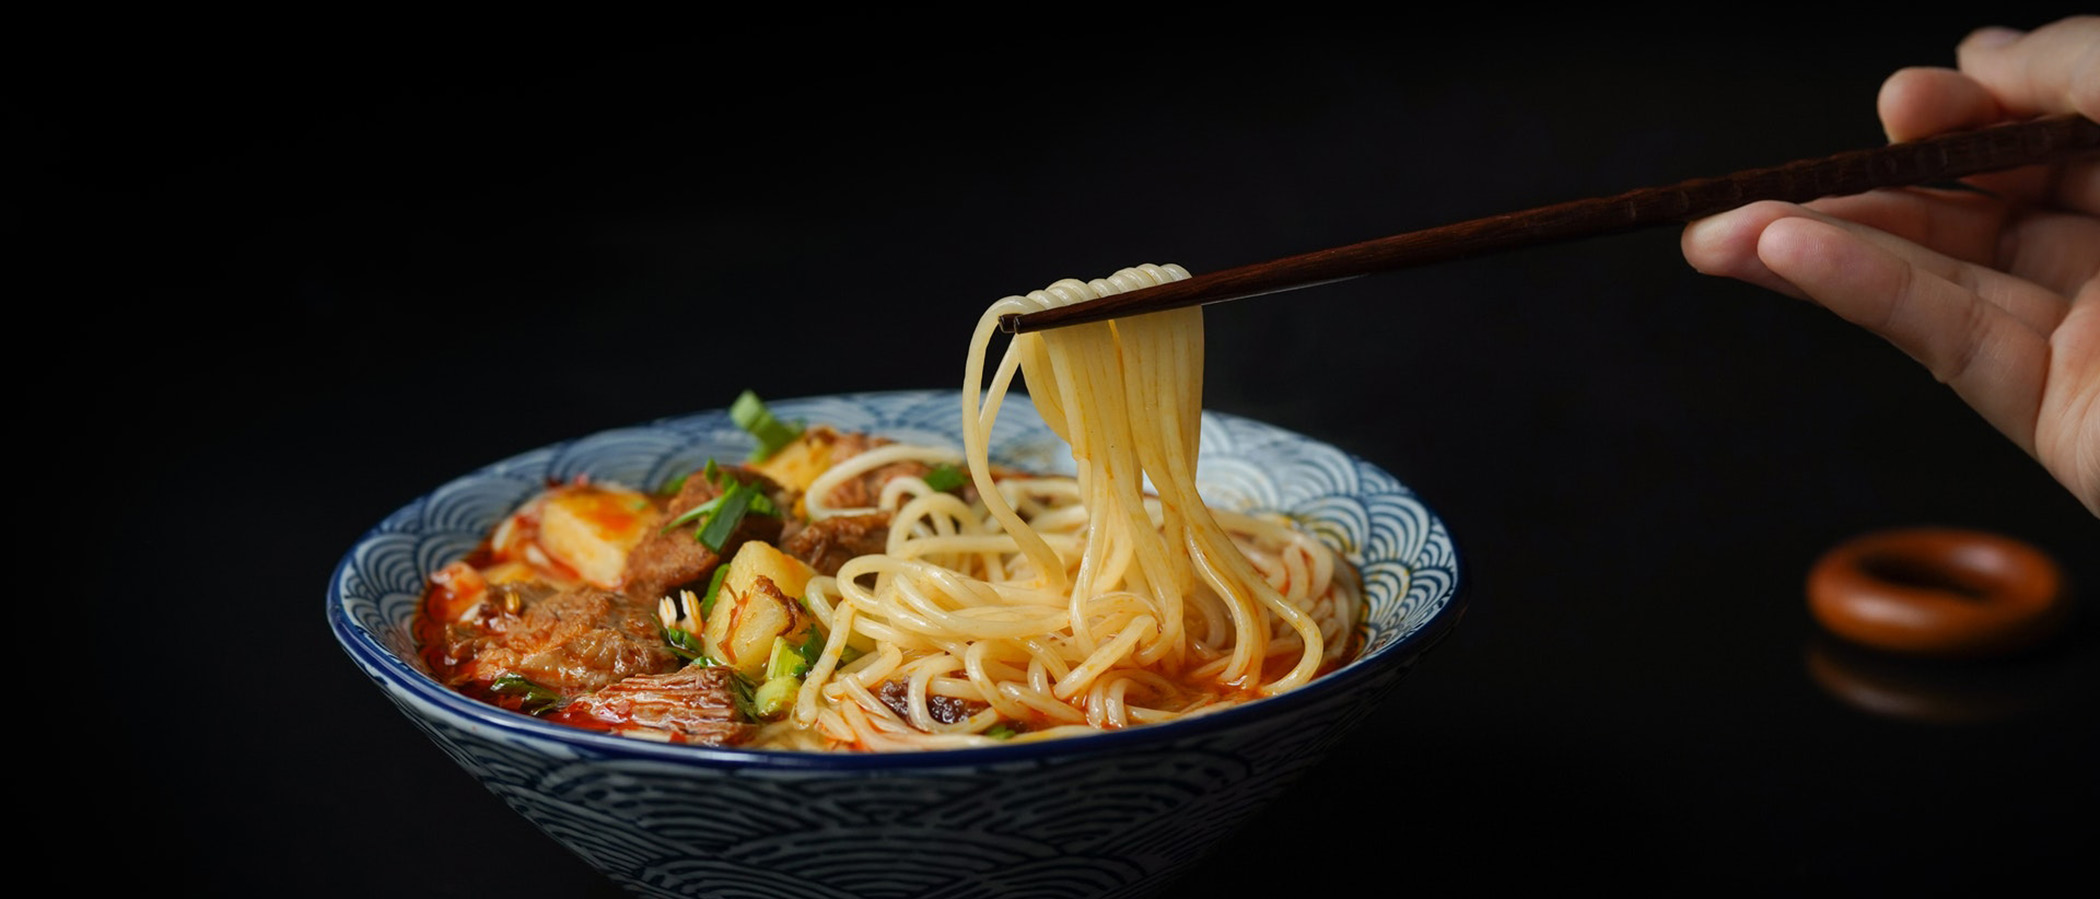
[(1907, 164)]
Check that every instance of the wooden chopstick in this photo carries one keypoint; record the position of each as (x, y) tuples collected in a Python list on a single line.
[(1910, 163)]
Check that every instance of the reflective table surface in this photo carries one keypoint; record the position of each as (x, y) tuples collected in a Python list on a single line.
[(324, 281)]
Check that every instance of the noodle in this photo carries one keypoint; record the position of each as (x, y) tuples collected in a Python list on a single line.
[(1030, 607), (1113, 598)]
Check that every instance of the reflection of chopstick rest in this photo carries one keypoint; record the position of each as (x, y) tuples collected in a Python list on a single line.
[(1932, 691), (1939, 592)]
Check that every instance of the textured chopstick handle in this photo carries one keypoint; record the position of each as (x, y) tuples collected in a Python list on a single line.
[(1911, 163)]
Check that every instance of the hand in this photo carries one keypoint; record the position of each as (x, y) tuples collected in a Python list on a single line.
[(1997, 292)]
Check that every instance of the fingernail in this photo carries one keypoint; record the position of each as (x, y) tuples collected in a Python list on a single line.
[(1994, 37)]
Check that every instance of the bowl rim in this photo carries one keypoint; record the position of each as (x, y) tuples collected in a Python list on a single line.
[(395, 673)]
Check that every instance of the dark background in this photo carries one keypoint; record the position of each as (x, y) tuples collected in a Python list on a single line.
[(302, 280)]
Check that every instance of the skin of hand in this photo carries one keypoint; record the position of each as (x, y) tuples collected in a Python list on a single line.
[(1995, 291)]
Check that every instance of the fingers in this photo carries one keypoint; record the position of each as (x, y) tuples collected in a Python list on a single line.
[(1921, 102), (1979, 288), (2052, 249), (1726, 245), (2053, 69), (1732, 245), (1993, 360), (2067, 437), (1965, 226), (2055, 250), (2007, 74)]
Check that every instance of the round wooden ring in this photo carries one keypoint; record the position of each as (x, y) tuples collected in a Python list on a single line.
[(1943, 592)]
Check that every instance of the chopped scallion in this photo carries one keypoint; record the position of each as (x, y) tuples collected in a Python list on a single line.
[(685, 644), (740, 693), (785, 660), (811, 649), (714, 589), (945, 477), (734, 500), (762, 504), (695, 513), (750, 413), (533, 699), (723, 522)]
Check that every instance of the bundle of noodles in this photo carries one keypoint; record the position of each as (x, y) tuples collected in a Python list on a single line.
[(1067, 604)]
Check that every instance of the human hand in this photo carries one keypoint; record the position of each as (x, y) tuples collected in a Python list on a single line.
[(1996, 292)]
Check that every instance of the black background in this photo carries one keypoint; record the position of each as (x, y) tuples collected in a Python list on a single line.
[(302, 279)]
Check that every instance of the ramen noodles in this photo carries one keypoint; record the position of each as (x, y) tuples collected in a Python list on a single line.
[(839, 591)]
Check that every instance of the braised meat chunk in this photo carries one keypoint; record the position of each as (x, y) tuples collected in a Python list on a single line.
[(571, 641), (673, 558), (832, 542)]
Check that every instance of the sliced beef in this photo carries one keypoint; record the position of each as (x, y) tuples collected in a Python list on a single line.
[(668, 561), (831, 542), (945, 709), (694, 704), (571, 641)]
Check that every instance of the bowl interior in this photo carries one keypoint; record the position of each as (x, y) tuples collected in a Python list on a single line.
[(1410, 568)]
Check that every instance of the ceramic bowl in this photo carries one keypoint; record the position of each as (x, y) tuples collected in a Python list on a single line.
[(1114, 815)]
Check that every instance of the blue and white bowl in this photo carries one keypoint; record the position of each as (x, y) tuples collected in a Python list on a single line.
[(1115, 815)]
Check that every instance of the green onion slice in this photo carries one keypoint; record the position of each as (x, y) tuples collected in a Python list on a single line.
[(945, 477), (811, 649), (684, 644), (725, 519), (750, 413), (714, 588), (695, 513), (740, 693), (535, 699)]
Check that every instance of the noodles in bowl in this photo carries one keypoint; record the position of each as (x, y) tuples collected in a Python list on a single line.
[(1112, 812), (1028, 607)]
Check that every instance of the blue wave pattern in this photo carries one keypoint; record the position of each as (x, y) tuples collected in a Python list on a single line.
[(1112, 816)]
